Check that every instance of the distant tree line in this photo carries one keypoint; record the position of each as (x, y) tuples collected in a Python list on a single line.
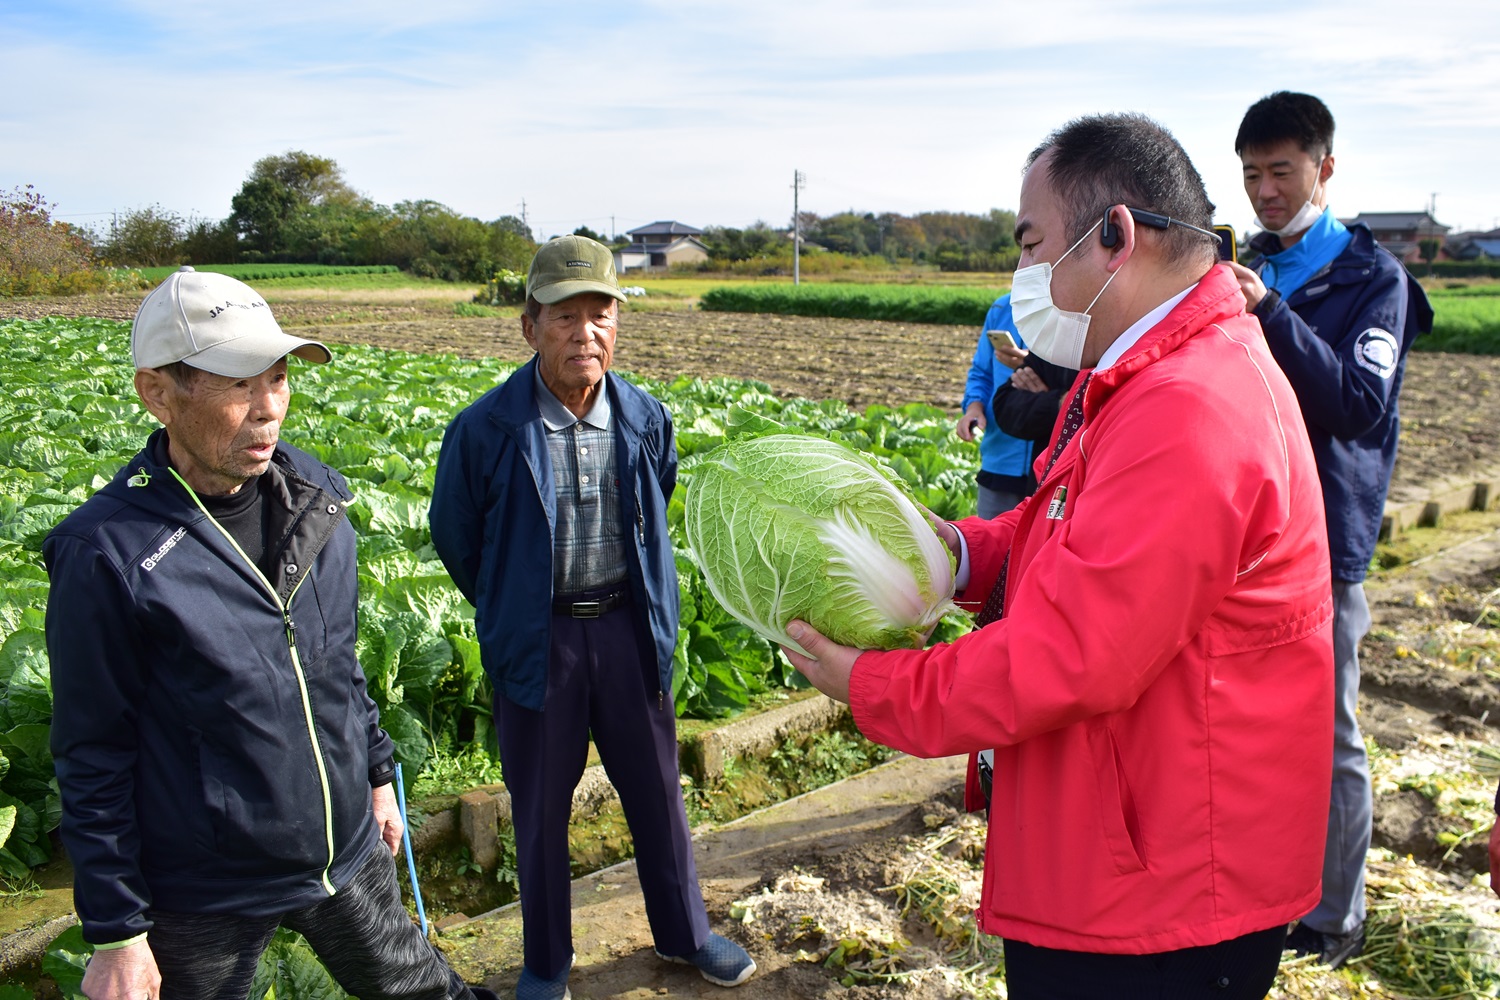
[(297, 208), (953, 241)]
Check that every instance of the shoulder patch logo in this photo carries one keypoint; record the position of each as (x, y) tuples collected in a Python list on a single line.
[(1375, 351), (149, 563)]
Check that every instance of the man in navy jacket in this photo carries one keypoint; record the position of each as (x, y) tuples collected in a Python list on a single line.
[(1340, 314), (550, 512), (222, 769)]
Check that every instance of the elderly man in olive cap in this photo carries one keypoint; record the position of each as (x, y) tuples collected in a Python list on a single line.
[(550, 512)]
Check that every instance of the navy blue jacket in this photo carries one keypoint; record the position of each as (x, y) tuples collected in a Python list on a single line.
[(493, 513), (1342, 340), (212, 733)]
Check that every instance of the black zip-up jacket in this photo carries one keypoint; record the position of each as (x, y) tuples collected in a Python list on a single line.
[(212, 733), (1030, 416)]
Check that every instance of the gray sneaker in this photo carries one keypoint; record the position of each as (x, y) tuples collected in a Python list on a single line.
[(1333, 950), (720, 960)]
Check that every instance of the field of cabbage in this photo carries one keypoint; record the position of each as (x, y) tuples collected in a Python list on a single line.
[(271, 272), (71, 420)]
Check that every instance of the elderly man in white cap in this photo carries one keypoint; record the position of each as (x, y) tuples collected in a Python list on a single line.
[(222, 769)]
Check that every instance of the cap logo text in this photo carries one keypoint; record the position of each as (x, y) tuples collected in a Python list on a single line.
[(216, 310), (579, 263)]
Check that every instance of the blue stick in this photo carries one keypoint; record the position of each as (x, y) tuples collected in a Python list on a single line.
[(411, 864)]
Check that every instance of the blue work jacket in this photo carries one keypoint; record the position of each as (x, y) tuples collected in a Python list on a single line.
[(1342, 340), (494, 512)]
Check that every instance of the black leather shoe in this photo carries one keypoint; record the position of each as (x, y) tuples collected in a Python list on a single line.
[(1333, 950)]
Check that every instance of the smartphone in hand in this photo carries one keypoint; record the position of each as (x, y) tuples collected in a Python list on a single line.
[(1228, 248), (1002, 339)]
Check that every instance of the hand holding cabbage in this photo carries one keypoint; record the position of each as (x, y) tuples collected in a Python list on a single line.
[(792, 527)]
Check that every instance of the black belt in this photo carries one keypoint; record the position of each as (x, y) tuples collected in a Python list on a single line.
[(592, 609), (986, 780)]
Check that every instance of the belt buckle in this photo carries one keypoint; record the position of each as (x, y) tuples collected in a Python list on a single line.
[(586, 609)]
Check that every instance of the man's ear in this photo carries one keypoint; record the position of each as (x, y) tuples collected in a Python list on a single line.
[(1326, 171), (528, 328), (1122, 227), (157, 391)]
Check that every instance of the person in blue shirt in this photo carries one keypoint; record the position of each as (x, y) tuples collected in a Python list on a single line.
[(1004, 462), (1339, 314)]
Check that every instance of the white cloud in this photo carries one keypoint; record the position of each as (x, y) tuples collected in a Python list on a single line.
[(701, 110)]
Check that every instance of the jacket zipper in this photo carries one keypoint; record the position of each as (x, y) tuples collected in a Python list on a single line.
[(640, 528), (291, 642), (640, 518)]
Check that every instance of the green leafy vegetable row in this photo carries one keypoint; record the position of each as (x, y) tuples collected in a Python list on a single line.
[(1465, 320), (265, 272), (962, 306)]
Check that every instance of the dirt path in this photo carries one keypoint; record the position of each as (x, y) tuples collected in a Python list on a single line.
[(845, 832)]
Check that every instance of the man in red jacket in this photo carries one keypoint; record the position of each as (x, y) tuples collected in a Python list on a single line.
[(1153, 670)]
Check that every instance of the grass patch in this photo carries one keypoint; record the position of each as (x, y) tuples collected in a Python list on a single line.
[(447, 773), (948, 304), (798, 765), (477, 310), (1414, 544), (1466, 320)]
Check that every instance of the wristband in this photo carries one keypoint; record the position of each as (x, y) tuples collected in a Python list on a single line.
[(1266, 303), (383, 773)]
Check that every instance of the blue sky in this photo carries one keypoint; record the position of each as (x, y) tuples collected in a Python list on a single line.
[(700, 111)]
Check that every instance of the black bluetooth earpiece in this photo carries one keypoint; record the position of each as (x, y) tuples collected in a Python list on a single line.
[(1109, 234)]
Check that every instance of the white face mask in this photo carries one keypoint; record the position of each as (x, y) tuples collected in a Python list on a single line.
[(1306, 215), (1056, 335)]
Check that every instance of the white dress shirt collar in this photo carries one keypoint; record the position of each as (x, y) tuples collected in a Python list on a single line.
[(1137, 330)]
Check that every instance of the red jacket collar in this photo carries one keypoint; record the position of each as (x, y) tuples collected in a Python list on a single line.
[(1215, 298)]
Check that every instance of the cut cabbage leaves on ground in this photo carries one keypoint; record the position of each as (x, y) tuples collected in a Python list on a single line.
[(787, 526)]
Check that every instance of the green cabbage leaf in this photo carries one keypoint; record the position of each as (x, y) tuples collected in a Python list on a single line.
[(787, 526)]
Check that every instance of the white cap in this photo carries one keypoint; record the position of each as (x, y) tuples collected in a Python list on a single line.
[(213, 322)]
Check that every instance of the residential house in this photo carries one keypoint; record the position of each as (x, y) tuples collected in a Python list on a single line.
[(1401, 232), (1474, 246), (659, 246)]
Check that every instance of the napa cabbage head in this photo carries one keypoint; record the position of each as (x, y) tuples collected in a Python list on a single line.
[(787, 526)]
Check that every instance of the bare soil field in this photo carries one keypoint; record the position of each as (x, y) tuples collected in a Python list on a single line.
[(1450, 403)]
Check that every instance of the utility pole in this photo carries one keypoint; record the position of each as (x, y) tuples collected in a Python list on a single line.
[(1432, 207), (611, 228), (799, 180), (523, 217)]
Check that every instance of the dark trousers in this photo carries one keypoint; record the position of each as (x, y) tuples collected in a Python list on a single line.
[(597, 683), (361, 933), (1241, 968)]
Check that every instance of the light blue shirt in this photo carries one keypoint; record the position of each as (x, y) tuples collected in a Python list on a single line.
[(999, 453), (1290, 269)]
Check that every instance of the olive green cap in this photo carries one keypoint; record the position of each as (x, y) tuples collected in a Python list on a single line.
[(566, 266)]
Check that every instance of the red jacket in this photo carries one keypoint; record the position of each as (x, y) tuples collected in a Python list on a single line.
[(1160, 690)]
